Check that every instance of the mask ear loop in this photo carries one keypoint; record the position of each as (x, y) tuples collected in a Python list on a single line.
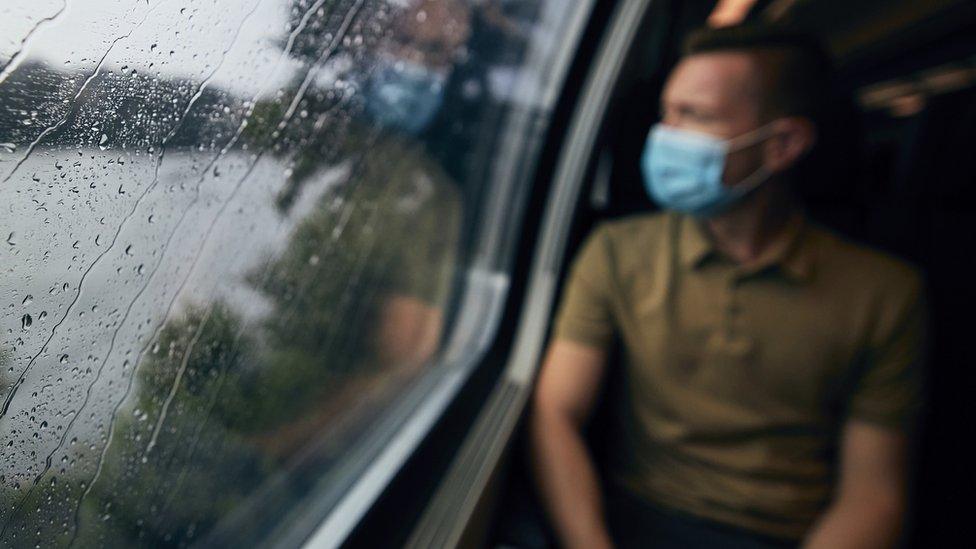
[(752, 181), (750, 138)]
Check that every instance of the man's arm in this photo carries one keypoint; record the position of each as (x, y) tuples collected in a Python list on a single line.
[(564, 472), (408, 331), (868, 508)]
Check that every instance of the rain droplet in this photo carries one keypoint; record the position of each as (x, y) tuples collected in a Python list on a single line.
[(64, 359), (10, 239), (42, 316), (26, 321), (27, 300), (128, 250), (102, 142), (8, 147)]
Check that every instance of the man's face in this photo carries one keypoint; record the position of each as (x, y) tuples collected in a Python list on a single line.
[(432, 32), (717, 94)]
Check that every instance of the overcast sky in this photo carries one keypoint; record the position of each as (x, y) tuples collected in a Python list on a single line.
[(178, 37)]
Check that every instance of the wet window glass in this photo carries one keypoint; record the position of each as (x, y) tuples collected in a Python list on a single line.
[(237, 235)]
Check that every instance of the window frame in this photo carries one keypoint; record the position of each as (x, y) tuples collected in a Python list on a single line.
[(420, 505), (412, 464)]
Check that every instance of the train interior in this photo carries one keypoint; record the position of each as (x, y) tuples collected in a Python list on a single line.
[(893, 173), (891, 170)]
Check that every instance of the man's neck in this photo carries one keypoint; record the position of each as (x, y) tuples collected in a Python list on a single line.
[(747, 231)]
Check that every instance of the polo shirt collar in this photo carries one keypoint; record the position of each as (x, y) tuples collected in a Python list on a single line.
[(694, 244), (792, 253)]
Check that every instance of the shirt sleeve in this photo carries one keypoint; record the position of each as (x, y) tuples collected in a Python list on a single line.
[(585, 314), (421, 215), (889, 391), (425, 253)]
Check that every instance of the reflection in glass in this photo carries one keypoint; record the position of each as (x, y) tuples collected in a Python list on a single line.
[(232, 237)]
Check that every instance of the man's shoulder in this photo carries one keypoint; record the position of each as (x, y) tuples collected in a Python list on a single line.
[(629, 243), (859, 262), (633, 230)]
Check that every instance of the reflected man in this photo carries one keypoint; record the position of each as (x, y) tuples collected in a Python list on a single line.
[(364, 283)]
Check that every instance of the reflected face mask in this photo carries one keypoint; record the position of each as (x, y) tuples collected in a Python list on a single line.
[(683, 169), (404, 95)]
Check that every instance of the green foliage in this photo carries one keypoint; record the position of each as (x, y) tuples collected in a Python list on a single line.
[(174, 466), (215, 392), (260, 132)]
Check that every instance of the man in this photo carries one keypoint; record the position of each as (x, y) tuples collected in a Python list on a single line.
[(769, 366), (400, 210), (360, 288)]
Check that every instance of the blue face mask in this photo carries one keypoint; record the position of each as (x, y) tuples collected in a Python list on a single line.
[(404, 95), (683, 170)]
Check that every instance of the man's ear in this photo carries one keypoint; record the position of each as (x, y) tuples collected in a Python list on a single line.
[(792, 138)]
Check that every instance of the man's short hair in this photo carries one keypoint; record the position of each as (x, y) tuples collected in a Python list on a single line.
[(795, 69)]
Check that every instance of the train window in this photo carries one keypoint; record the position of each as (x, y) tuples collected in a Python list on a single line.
[(240, 242)]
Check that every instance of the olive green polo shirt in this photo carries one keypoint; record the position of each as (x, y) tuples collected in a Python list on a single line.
[(736, 381)]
